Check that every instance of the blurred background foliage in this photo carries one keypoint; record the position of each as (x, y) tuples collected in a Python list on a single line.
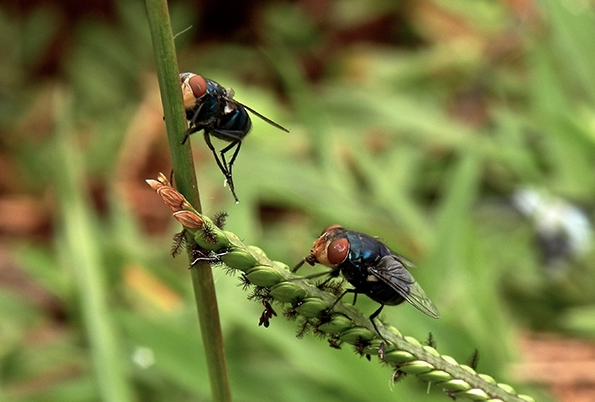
[(461, 132)]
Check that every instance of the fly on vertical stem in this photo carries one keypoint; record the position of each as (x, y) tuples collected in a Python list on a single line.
[(212, 109)]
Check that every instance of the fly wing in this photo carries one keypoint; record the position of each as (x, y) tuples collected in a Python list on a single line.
[(405, 261), (272, 123), (392, 271), (400, 258)]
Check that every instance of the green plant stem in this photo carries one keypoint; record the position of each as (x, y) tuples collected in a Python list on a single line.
[(185, 178), (83, 256)]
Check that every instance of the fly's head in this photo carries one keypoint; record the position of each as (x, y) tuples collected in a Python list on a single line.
[(331, 248), (194, 88)]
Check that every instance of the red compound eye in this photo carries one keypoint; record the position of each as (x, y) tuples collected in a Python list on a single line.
[(331, 227), (337, 251), (198, 85)]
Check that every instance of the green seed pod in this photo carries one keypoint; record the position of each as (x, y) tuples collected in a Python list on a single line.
[(281, 265), (487, 378), (394, 331), (469, 369), (455, 385), (431, 350), (210, 237), (288, 292), (435, 376), (239, 258), (311, 307), (233, 238), (398, 356), (526, 398), (337, 324), (416, 367), (257, 251), (263, 276), (506, 388), (449, 360), (475, 394), (413, 341), (356, 334)]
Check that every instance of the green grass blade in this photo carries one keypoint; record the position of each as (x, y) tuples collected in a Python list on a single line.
[(83, 255)]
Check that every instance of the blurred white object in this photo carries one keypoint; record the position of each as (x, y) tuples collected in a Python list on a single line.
[(143, 357), (564, 230)]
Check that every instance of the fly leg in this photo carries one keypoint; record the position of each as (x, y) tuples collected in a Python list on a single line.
[(381, 349), (237, 144), (235, 138), (193, 127), (372, 317), (222, 167), (187, 135), (340, 297)]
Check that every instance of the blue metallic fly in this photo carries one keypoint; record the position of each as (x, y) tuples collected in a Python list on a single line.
[(212, 109), (371, 267)]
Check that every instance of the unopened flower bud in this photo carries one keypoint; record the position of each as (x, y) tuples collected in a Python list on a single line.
[(188, 219)]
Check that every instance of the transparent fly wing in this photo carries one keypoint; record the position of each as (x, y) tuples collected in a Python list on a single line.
[(266, 119), (405, 261), (392, 271), (399, 257), (418, 299)]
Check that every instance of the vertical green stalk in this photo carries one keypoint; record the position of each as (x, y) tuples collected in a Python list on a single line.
[(84, 258), (185, 179)]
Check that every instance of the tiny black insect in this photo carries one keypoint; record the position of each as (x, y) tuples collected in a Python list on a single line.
[(267, 314), (371, 267), (211, 108)]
